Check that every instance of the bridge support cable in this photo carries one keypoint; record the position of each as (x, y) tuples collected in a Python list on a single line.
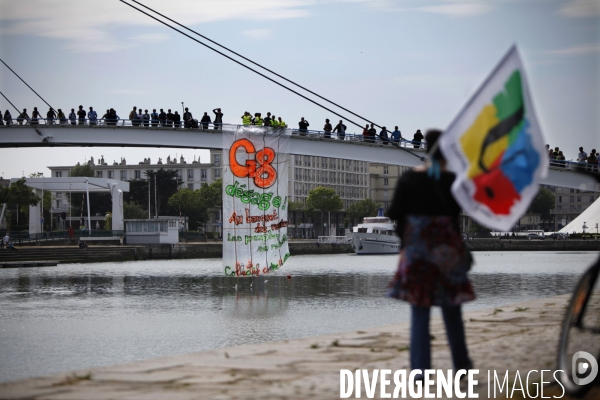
[(17, 75), (255, 63), (254, 70)]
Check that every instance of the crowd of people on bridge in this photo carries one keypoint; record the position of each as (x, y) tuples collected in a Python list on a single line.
[(172, 119), (585, 162)]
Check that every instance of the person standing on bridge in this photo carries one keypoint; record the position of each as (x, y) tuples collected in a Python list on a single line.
[(258, 121), (205, 120), (417, 137), (154, 117), (340, 128), (92, 116), (50, 115), (132, 115), (162, 117), (62, 119), (396, 135), (218, 118), (177, 119), (281, 123), (81, 114), (72, 116), (7, 117), (169, 119), (433, 265), (372, 134), (327, 129), (187, 118), (302, 126), (246, 118), (35, 115), (146, 118)]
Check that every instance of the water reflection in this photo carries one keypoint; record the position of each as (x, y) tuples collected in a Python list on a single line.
[(81, 315)]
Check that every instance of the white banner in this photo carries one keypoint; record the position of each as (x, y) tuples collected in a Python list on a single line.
[(255, 200)]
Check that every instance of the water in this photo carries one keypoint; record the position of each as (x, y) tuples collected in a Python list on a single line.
[(82, 315)]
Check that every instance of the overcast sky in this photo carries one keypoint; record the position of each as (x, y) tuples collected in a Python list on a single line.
[(408, 63)]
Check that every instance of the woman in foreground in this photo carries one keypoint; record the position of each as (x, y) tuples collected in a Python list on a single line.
[(434, 261)]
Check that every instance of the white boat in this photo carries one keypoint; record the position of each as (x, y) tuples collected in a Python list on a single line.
[(376, 235)]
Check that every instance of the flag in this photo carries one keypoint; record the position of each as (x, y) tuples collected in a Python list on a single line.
[(496, 149), (255, 200)]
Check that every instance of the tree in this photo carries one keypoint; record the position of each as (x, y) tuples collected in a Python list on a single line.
[(363, 208), (18, 194), (296, 206), (167, 184), (542, 204), (83, 170), (190, 204), (321, 200), (133, 211)]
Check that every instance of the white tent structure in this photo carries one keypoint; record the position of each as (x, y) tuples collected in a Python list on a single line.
[(590, 218), (78, 184)]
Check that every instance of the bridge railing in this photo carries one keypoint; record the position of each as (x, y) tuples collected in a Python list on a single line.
[(169, 124)]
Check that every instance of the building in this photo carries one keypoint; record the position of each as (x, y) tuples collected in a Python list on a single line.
[(569, 203), (383, 179), (348, 178)]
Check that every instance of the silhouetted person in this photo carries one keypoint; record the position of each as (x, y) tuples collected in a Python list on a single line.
[(35, 115), (302, 126), (169, 119), (417, 137), (327, 129), (383, 136), (340, 128), (23, 117), (162, 117), (146, 118), (218, 118), (372, 134), (92, 116), (81, 114), (205, 121), (177, 119), (154, 117), (187, 118), (50, 115)]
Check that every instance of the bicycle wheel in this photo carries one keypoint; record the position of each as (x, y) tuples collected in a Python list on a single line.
[(580, 329)]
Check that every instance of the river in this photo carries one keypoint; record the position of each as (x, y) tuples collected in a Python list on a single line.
[(75, 316)]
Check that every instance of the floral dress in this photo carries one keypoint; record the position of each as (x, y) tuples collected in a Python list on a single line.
[(433, 263)]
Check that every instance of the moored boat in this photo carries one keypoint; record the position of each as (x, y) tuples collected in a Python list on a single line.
[(376, 235)]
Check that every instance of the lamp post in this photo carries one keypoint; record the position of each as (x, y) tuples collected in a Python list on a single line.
[(584, 227)]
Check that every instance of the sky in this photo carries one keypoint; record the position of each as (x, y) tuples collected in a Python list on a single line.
[(411, 63)]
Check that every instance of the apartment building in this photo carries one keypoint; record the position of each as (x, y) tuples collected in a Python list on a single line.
[(569, 203)]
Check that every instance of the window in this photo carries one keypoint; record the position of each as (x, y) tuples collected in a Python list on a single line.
[(217, 216), (203, 174), (217, 173), (58, 203), (190, 186), (571, 198), (572, 191), (386, 182), (58, 174), (98, 174), (110, 174), (137, 174), (190, 174), (558, 190), (560, 199), (559, 208), (217, 159), (386, 170), (579, 199), (123, 175)]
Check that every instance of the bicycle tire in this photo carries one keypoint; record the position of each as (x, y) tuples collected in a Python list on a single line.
[(573, 322)]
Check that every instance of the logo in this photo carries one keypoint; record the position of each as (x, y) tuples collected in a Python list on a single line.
[(260, 170), (584, 368)]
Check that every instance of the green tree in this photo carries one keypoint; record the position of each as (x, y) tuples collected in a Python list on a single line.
[(167, 184), (322, 200), (363, 208), (542, 204), (83, 170), (191, 204), (296, 206), (20, 196), (133, 211)]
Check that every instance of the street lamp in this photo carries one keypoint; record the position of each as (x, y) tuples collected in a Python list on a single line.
[(584, 227)]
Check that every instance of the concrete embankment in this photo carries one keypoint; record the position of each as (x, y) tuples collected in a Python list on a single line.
[(515, 338), (496, 244), (101, 252)]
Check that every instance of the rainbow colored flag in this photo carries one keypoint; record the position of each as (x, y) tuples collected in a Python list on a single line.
[(496, 148)]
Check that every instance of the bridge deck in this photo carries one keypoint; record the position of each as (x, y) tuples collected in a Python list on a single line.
[(312, 143)]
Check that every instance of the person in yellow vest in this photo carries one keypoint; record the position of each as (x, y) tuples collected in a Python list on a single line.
[(274, 123), (246, 118), (281, 123), (258, 121)]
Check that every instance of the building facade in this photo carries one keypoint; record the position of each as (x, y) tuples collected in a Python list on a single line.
[(569, 203)]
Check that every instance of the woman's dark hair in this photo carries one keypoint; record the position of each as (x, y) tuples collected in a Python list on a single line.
[(431, 138)]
